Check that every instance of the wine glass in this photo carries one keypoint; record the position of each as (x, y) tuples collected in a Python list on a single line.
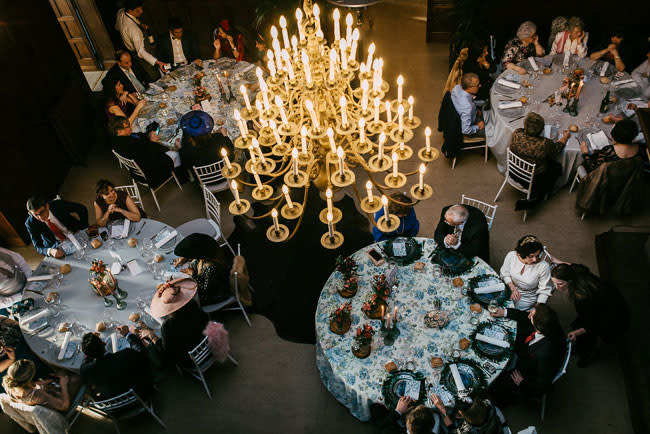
[(493, 306), (147, 245)]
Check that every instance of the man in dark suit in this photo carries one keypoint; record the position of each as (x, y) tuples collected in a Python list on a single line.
[(50, 223), (464, 229), (132, 78), (111, 374), (178, 47), (540, 347), (146, 151)]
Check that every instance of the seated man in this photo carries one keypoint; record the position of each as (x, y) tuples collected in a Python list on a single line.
[(408, 222), (14, 272), (111, 374), (464, 228), (178, 46), (462, 96), (540, 347), (416, 420), (50, 223), (150, 155), (476, 417), (132, 78)]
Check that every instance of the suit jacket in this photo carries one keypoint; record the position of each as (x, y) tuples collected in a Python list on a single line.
[(42, 237), (115, 74), (165, 52), (182, 332), (475, 240), (450, 125), (150, 156), (116, 373)]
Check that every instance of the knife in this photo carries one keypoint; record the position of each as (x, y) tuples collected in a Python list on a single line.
[(38, 330), (515, 119), (157, 233), (141, 227), (34, 291)]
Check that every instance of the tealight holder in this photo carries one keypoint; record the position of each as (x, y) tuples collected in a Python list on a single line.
[(430, 156), (333, 242), (388, 225), (239, 208), (421, 194)]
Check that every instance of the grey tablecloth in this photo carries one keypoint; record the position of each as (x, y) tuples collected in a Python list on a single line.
[(80, 305)]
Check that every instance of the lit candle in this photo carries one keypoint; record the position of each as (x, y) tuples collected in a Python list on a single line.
[(389, 117), (395, 158), (380, 69), (285, 35), (371, 198), (355, 44), (274, 127), (427, 133), (305, 65), (316, 11), (294, 45), (400, 84), (242, 89), (337, 25), (348, 29), (224, 154), (330, 136), (376, 81), (384, 201), (382, 140), (271, 64), (344, 111), (288, 65), (411, 100), (362, 131), (341, 156), (314, 119), (299, 20), (258, 149), (422, 169), (344, 56), (330, 225), (401, 147), (257, 178), (285, 191), (400, 118), (294, 158), (332, 64), (388, 323), (280, 105), (371, 51), (265, 96), (235, 192), (278, 54), (395, 314), (364, 96), (242, 125), (328, 195), (275, 43), (303, 137), (383, 310), (376, 110), (258, 106), (260, 76), (276, 225)]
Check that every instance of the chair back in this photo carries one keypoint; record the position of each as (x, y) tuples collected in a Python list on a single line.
[(209, 174), (486, 208), (117, 403), (520, 172), (456, 71), (212, 206), (202, 356), (565, 363), (133, 167), (27, 416), (133, 191)]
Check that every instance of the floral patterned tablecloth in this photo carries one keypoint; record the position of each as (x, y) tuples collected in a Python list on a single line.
[(356, 383)]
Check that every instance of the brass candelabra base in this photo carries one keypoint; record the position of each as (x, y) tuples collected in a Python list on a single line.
[(232, 172), (388, 225), (379, 165), (239, 209), (343, 180), (249, 114), (333, 242), (291, 213), (370, 207), (395, 181), (423, 193), (262, 193), (296, 181), (428, 156), (413, 123), (404, 154), (279, 235), (401, 136), (337, 215), (245, 142)]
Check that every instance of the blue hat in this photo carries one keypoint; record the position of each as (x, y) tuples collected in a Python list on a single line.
[(197, 123)]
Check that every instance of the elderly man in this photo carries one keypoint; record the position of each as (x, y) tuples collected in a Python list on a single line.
[(464, 228), (132, 78), (462, 96), (178, 46), (50, 223)]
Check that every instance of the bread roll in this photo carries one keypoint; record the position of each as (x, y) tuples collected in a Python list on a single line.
[(391, 366), (51, 296), (458, 282), (132, 242), (476, 307), (65, 269), (171, 121), (604, 80), (573, 128), (523, 100), (158, 258), (101, 326), (547, 71), (96, 243), (436, 362), (162, 105), (64, 327), (171, 88), (463, 343), (418, 266), (135, 317)]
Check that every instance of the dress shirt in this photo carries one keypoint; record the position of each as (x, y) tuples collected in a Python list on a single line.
[(534, 283), (563, 43), (538, 337), (129, 28), (464, 105), (177, 48), (460, 228), (133, 79), (641, 75), (59, 225)]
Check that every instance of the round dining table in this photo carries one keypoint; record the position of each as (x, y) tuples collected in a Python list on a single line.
[(357, 383), (79, 308), (501, 122)]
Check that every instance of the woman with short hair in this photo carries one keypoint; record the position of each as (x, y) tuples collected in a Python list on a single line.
[(572, 40), (523, 46), (111, 204), (401, 206)]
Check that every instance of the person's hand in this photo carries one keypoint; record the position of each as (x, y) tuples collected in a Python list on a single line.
[(403, 404), (112, 208), (133, 329), (217, 44), (581, 37), (154, 137), (10, 353), (187, 271), (499, 313), (480, 125), (58, 253), (123, 330), (64, 380), (520, 70), (611, 47), (572, 336), (516, 295), (198, 62), (451, 239), (141, 103), (179, 261), (583, 147), (223, 131), (229, 38), (536, 39), (164, 67), (124, 98), (438, 403), (516, 377)]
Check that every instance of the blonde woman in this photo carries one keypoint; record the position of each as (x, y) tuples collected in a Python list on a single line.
[(19, 384)]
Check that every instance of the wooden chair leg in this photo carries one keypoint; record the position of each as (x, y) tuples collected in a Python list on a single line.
[(453, 163), (155, 199), (501, 189)]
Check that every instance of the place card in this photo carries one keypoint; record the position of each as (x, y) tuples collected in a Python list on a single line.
[(206, 106), (134, 267), (508, 83), (507, 105), (492, 341), (457, 378), (412, 389), (531, 59), (41, 277), (116, 267), (163, 237), (64, 346), (604, 70), (116, 231)]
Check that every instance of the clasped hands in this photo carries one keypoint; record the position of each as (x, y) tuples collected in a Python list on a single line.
[(451, 239)]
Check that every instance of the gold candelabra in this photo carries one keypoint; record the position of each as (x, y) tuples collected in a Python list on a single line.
[(313, 127)]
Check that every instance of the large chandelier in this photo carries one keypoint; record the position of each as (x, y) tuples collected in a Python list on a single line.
[(319, 114)]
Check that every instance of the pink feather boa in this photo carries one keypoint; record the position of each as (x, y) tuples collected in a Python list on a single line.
[(217, 340)]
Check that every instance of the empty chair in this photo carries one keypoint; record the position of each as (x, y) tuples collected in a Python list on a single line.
[(580, 173), (134, 192), (486, 208), (210, 177), (138, 176), (231, 303), (123, 406), (203, 359), (519, 174), (562, 371)]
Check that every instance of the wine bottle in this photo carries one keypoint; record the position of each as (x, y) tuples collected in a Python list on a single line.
[(604, 104)]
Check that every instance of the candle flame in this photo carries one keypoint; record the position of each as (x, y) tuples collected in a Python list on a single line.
[(400, 109), (303, 131), (348, 19), (427, 131), (328, 193), (368, 185), (336, 14), (274, 213), (294, 153), (299, 14), (274, 32), (330, 217), (223, 152), (411, 99), (371, 48), (285, 189), (394, 156), (422, 168), (283, 21), (339, 152), (384, 199), (400, 80)]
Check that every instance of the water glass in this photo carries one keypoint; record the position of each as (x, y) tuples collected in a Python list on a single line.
[(147, 245)]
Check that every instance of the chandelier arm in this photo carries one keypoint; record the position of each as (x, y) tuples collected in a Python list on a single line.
[(362, 162), (369, 216), (259, 217), (304, 206), (379, 186)]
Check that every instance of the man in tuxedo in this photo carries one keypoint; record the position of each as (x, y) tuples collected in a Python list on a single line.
[(124, 71), (50, 223), (539, 347), (111, 374), (464, 229), (178, 46)]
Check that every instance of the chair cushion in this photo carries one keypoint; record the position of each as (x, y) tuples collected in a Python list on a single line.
[(217, 187), (201, 226), (472, 139)]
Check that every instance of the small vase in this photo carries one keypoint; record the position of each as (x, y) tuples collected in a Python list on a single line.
[(120, 294), (375, 313), (108, 302), (361, 351), (347, 293), (120, 304), (341, 328)]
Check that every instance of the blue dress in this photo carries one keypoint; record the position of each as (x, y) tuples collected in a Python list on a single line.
[(409, 226)]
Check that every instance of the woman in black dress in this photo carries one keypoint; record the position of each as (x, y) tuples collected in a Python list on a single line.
[(200, 146), (479, 63)]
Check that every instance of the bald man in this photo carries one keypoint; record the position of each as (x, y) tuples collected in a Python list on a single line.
[(464, 229)]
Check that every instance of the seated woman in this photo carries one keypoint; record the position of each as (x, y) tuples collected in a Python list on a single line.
[(611, 53), (225, 44), (573, 40), (209, 268), (641, 75), (111, 204), (476, 417), (13, 347), (527, 275), (526, 44), (478, 63), (622, 134), (591, 297), (200, 146), (401, 206), (122, 103), (19, 384), (529, 144)]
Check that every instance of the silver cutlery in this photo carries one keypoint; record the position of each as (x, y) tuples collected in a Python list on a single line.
[(515, 119), (38, 330), (34, 291), (140, 230)]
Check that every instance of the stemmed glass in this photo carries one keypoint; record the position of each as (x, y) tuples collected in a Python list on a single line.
[(146, 246)]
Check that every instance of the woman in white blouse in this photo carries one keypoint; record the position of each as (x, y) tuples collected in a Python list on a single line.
[(528, 277), (573, 40)]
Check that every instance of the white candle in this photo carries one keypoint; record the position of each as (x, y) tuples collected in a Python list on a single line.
[(285, 191), (260, 76), (275, 43), (376, 110), (364, 96), (316, 11), (344, 111), (411, 100), (401, 147), (330, 225), (341, 155), (332, 64), (388, 323), (395, 314), (371, 51), (294, 45), (371, 198), (294, 157), (382, 140), (330, 136), (337, 25), (274, 127), (271, 65), (362, 131), (400, 118), (235, 192), (257, 178), (303, 138), (224, 154), (280, 105), (265, 96), (400, 84), (288, 65), (299, 21), (258, 106), (395, 158), (348, 29), (328, 195), (355, 44), (376, 81), (314, 119), (278, 54), (380, 69), (422, 169), (242, 125), (389, 117), (427, 133), (274, 215), (242, 89), (305, 65), (384, 201), (285, 35), (344, 56), (256, 144)]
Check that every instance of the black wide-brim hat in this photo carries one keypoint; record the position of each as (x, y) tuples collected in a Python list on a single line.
[(197, 123), (197, 246)]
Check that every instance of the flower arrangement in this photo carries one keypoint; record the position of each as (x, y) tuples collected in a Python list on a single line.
[(201, 93), (342, 313), (381, 291), (364, 335), (101, 280), (350, 286), (347, 266)]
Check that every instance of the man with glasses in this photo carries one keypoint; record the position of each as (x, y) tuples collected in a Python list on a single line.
[(464, 229), (462, 96), (50, 223)]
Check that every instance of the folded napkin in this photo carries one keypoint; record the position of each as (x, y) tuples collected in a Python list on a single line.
[(125, 228), (116, 267), (169, 235), (64, 346), (598, 140), (134, 267), (508, 83), (604, 70), (492, 341), (74, 241), (114, 342), (412, 389), (507, 105), (457, 379), (620, 82), (41, 277), (498, 287), (117, 230), (34, 317), (531, 59)]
